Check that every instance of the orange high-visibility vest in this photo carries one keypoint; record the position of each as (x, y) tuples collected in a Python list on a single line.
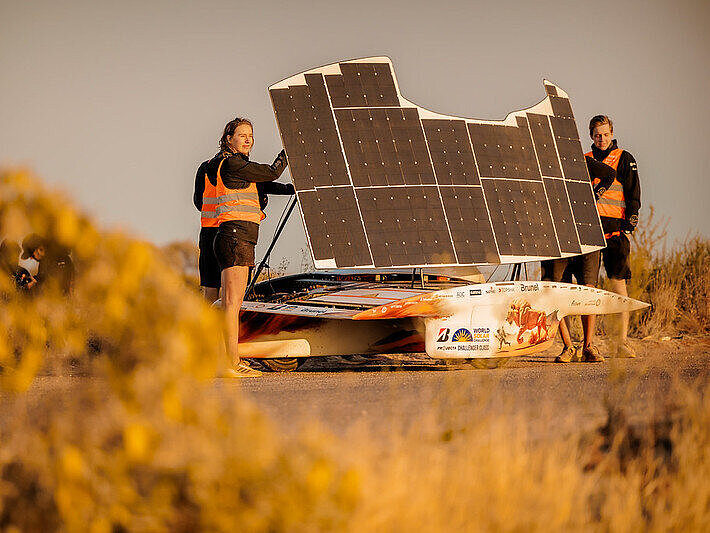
[(612, 203), (208, 215), (237, 204)]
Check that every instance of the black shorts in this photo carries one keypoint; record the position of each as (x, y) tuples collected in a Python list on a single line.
[(210, 275), (616, 257), (583, 268), (553, 269), (232, 251)]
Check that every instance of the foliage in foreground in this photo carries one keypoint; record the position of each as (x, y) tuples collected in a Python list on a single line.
[(141, 443), (144, 445)]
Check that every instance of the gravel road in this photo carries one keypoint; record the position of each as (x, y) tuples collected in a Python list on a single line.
[(545, 396)]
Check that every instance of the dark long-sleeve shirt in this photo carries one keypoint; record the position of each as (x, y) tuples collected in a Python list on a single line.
[(602, 172), (272, 187), (199, 185), (238, 172), (627, 175)]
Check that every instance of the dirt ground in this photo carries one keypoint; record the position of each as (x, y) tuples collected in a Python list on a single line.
[(393, 393)]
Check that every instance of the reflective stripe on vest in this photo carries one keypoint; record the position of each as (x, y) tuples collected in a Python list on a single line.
[(612, 203), (237, 204), (208, 215)]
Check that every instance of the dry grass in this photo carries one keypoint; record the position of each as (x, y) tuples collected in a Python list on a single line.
[(675, 282), (144, 445)]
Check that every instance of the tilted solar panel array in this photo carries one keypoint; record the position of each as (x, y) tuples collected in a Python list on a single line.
[(384, 183)]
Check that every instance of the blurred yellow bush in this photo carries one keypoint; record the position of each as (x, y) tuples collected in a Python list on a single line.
[(141, 443)]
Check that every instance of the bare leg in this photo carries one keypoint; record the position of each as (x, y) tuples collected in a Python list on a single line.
[(210, 294), (588, 327), (588, 322), (234, 284), (564, 332), (619, 287)]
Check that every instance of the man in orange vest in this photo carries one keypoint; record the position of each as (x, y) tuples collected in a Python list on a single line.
[(585, 269), (618, 208)]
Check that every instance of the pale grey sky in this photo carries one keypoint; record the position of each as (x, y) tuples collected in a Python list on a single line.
[(118, 102)]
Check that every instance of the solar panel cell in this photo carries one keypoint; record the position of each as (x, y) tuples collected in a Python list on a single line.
[(544, 145), (362, 85), (334, 226), (451, 152), (521, 218), (562, 215), (573, 163), (504, 151), (471, 229), (585, 213), (309, 135), (405, 226), (561, 107)]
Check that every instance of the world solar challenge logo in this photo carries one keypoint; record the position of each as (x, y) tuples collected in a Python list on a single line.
[(462, 335), (463, 340)]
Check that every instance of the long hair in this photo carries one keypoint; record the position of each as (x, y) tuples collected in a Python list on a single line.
[(229, 130)]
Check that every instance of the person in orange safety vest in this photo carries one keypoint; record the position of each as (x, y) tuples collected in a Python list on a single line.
[(238, 210), (205, 200), (618, 209)]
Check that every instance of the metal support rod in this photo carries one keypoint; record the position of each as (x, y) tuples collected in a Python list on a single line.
[(515, 276), (271, 247)]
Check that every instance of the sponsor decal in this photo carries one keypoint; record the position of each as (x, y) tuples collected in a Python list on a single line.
[(596, 302), (288, 309), (575, 303), (443, 335), (506, 289), (464, 340), (460, 294), (474, 292), (462, 335), (481, 334), (532, 287), (490, 290)]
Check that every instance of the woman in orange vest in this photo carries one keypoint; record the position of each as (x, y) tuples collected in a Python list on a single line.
[(205, 200), (238, 215)]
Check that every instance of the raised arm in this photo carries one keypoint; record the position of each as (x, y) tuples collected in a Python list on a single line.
[(599, 171), (236, 170)]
